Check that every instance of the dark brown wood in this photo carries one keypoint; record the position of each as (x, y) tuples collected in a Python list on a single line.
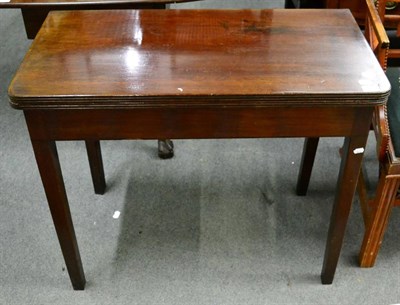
[(349, 170), (153, 69), (189, 123), (307, 162), (96, 166), (50, 172), (363, 197), (195, 74), (34, 13), (33, 20), (376, 211), (357, 7)]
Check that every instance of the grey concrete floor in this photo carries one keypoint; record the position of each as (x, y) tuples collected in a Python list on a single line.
[(218, 224)]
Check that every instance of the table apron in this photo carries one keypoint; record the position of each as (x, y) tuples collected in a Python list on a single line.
[(200, 123)]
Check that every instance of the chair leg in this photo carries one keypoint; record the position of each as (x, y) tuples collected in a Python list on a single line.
[(307, 162), (363, 196), (378, 220), (96, 166)]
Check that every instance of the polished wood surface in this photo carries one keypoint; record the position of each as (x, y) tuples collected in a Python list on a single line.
[(142, 55), (357, 7), (34, 12), (198, 74)]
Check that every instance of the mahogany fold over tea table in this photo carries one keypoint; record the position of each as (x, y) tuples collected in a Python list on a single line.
[(190, 74)]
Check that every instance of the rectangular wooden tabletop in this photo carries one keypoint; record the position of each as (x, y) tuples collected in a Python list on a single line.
[(144, 58)]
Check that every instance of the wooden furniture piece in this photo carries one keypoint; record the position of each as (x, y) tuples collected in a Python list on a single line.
[(34, 12), (192, 74), (386, 125), (357, 7), (391, 19), (388, 12)]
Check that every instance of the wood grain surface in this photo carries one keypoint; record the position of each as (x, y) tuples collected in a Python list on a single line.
[(145, 58)]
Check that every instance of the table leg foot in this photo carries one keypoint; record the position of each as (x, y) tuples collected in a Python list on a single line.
[(327, 279), (96, 166), (50, 172), (165, 149), (289, 4)]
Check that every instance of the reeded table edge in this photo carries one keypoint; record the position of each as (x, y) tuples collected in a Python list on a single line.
[(196, 101)]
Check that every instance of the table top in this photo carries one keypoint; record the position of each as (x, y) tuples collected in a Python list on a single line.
[(187, 58), (37, 3)]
